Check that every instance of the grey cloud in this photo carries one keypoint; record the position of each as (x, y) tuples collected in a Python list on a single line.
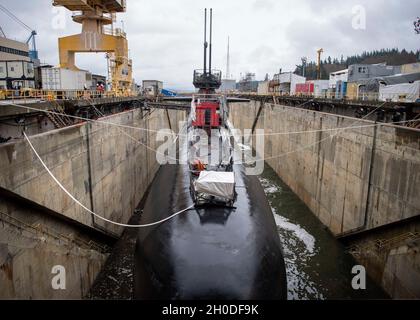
[(165, 37)]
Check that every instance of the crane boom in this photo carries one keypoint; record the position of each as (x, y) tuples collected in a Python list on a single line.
[(33, 53)]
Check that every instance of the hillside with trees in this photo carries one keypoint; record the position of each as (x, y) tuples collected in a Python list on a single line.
[(328, 65)]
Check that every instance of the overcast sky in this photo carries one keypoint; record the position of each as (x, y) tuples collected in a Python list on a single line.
[(165, 37)]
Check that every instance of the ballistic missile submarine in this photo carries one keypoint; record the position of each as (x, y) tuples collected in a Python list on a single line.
[(226, 246)]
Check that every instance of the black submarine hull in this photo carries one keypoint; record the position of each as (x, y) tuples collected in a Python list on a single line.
[(208, 252)]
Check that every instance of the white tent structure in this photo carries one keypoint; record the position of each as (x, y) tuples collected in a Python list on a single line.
[(402, 92), (217, 184)]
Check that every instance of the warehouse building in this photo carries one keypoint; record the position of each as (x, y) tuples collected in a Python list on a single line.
[(369, 89), (285, 83), (358, 72), (410, 68), (228, 85)]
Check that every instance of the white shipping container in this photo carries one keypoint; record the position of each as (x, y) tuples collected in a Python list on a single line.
[(3, 70), (65, 79), (15, 69), (28, 69)]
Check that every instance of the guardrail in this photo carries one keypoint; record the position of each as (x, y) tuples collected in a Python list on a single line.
[(31, 95), (367, 97)]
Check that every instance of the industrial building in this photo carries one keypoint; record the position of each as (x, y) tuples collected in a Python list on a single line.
[(152, 88), (285, 83), (410, 68), (228, 85), (247, 83), (338, 83), (358, 72), (16, 67), (313, 88)]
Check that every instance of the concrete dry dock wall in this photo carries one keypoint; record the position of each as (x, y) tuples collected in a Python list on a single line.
[(33, 241), (353, 180), (103, 166)]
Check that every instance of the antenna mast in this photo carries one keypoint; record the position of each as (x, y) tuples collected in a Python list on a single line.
[(228, 62), (211, 33), (205, 41)]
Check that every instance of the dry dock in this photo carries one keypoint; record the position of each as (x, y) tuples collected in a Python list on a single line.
[(361, 184)]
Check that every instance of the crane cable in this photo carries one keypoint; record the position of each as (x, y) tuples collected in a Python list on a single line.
[(12, 16), (90, 211)]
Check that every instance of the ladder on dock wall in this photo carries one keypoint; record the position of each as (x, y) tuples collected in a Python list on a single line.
[(59, 118), (415, 124)]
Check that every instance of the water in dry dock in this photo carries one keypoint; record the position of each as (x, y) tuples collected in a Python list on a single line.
[(317, 265)]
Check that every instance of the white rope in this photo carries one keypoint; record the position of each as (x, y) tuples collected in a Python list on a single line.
[(322, 140), (90, 211), (77, 117), (179, 134)]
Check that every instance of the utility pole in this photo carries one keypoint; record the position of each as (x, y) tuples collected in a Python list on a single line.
[(320, 51), (304, 61)]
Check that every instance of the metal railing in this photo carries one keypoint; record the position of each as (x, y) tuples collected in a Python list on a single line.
[(206, 79), (371, 96), (32, 95)]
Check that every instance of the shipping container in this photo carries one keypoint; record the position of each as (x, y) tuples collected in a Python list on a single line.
[(315, 88), (15, 69), (305, 89), (3, 70), (65, 79)]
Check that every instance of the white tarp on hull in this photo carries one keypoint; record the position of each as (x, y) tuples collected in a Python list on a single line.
[(403, 92), (218, 184)]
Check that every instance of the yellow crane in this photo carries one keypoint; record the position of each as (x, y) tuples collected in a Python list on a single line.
[(320, 51), (97, 18)]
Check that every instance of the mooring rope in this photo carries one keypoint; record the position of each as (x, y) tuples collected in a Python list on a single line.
[(90, 211), (322, 140), (179, 134)]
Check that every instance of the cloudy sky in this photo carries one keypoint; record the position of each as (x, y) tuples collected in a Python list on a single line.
[(165, 37)]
